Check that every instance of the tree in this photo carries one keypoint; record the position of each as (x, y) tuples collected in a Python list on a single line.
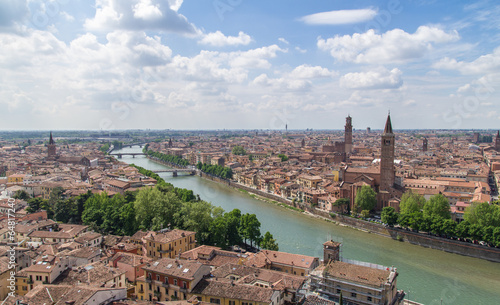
[(233, 223), (283, 157), (366, 198), (389, 216), (411, 202), (250, 228), (238, 150), (437, 205), (21, 194), (35, 204), (268, 242), (344, 203), (483, 214), (197, 217), (365, 214)]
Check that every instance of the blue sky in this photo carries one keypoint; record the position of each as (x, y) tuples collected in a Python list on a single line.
[(240, 64)]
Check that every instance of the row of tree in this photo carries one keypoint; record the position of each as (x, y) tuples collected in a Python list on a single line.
[(168, 158), (162, 206), (216, 170), (481, 220)]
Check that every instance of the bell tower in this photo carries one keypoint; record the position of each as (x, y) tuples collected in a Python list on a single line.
[(348, 134), (51, 148), (497, 141), (387, 172)]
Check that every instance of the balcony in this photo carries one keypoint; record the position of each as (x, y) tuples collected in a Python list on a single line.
[(148, 279), (157, 294), (165, 284), (140, 291)]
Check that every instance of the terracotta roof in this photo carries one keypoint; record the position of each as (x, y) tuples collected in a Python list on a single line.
[(356, 273), (174, 267), (233, 291), (169, 236)]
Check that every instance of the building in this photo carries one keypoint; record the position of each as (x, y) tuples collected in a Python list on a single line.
[(230, 293), (295, 264), (169, 243), (497, 141), (169, 279), (51, 148), (348, 135), (387, 171), (424, 145), (358, 282)]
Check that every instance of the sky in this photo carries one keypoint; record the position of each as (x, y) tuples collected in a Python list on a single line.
[(241, 64)]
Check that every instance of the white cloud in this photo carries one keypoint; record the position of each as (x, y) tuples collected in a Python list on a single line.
[(299, 78), (340, 17), (138, 15), (146, 10), (483, 64), (283, 40), (219, 40), (306, 71), (67, 16), (380, 78), (392, 46)]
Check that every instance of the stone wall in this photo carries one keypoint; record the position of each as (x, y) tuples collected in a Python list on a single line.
[(448, 245)]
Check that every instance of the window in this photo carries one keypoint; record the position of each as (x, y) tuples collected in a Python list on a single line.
[(369, 298), (157, 277), (353, 294), (338, 290), (232, 302), (214, 301), (175, 282)]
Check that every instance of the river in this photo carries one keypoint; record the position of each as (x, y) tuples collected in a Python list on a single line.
[(429, 276)]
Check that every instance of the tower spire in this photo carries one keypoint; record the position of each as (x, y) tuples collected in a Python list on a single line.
[(51, 140), (388, 125)]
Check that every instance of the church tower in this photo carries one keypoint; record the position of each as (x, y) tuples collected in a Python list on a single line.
[(348, 134), (51, 148), (387, 172), (497, 141), (424, 144)]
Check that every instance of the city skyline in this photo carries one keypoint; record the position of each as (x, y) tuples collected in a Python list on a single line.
[(185, 65)]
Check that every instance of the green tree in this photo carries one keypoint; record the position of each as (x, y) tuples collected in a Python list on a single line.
[(365, 214), (250, 228), (233, 222), (283, 157), (198, 217), (268, 242), (366, 198), (483, 214), (238, 150), (437, 205), (389, 216), (35, 204), (66, 210), (344, 203), (411, 202), (155, 210), (21, 194)]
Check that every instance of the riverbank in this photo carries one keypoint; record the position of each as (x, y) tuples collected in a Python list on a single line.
[(420, 239)]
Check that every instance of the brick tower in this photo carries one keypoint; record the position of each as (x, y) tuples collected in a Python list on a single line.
[(497, 141), (387, 172), (51, 148), (348, 134), (424, 144)]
